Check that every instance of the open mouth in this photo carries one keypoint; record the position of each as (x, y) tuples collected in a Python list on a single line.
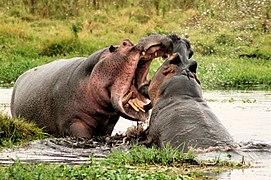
[(135, 102)]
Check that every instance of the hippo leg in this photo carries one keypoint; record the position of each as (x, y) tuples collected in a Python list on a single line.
[(80, 129), (110, 127)]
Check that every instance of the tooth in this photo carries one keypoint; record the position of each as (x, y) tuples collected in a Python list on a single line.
[(127, 97), (143, 53), (133, 106), (155, 54), (139, 107)]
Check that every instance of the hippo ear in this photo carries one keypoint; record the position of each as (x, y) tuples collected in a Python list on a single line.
[(193, 66), (190, 53), (112, 48), (188, 46)]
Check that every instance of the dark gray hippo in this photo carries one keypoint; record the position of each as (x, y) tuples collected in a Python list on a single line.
[(82, 97), (180, 116)]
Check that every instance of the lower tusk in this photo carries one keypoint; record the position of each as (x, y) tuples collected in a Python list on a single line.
[(133, 106), (139, 107), (127, 97)]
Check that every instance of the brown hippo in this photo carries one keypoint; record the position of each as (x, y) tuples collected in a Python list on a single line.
[(82, 97), (180, 117)]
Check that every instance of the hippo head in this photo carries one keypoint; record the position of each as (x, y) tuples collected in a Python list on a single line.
[(181, 46), (173, 76), (177, 64), (121, 72)]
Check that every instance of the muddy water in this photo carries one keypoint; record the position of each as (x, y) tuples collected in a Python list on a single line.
[(246, 115)]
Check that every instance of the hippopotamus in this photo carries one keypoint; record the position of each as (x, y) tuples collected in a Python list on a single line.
[(180, 117), (84, 97)]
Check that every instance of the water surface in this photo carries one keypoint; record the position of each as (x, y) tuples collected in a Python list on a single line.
[(245, 114)]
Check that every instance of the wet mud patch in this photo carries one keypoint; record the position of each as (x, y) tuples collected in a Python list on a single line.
[(72, 150)]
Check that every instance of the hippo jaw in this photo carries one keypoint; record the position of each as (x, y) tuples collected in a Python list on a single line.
[(132, 102)]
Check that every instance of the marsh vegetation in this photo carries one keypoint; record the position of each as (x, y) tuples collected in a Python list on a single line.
[(231, 39)]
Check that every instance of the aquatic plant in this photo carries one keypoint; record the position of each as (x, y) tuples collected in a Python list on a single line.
[(152, 156), (137, 163)]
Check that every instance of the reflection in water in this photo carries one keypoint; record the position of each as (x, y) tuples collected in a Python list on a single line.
[(246, 115)]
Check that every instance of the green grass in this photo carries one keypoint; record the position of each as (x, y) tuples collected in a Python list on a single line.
[(235, 41), (152, 156), (15, 131), (224, 72), (137, 163)]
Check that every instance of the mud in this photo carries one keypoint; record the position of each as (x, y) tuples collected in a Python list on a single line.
[(72, 150)]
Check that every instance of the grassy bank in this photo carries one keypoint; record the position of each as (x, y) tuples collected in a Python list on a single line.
[(137, 163), (15, 131), (231, 39)]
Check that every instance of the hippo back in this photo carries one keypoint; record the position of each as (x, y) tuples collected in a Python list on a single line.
[(48, 88)]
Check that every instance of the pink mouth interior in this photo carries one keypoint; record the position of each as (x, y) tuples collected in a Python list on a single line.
[(133, 102)]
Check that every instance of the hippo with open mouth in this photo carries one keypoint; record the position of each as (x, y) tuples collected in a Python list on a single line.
[(84, 97), (180, 117)]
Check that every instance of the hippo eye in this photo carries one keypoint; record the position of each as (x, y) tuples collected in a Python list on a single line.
[(124, 43)]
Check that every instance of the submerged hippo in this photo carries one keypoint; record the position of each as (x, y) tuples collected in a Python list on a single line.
[(82, 97), (180, 117)]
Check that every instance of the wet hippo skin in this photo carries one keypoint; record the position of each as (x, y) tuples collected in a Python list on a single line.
[(180, 117), (82, 97)]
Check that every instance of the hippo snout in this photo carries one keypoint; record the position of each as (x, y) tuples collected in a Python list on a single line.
[(155, 45)]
